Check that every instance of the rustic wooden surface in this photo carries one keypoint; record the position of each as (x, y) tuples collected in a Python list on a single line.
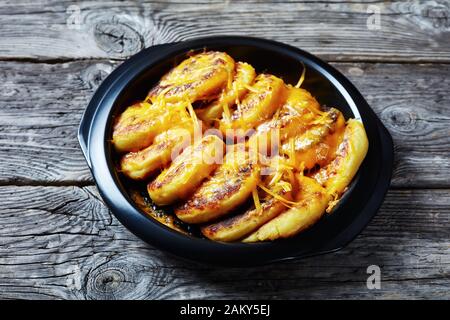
[(58, 240)]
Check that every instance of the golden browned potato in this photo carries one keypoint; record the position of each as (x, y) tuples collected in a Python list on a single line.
[(187, 171), (297, 112), (263, 99), (291, 119), (138, 125), (311, 202), (142, 164), (243, 77), (230, 185), (317, 145), (300, 101), (338, 174), (199, 77), (238, 226)]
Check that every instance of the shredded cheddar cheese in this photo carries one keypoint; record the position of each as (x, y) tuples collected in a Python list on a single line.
[(333, 203), (226, 112), (250, 88), (256, 200), (323, 119), (193, 115), (278, 197), (276, 178), (292, 158), (302, 77)]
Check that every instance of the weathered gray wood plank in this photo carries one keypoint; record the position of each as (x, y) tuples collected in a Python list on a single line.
[(61, 242), (409, 30), (41, 105), (412, 103)]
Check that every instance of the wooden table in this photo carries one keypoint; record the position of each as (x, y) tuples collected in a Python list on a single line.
[(58, 240)]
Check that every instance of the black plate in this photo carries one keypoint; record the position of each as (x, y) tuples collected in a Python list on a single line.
[(132, 80)]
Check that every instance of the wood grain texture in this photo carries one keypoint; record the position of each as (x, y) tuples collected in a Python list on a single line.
[(50, 30), (412, 103), (41, 106), (61, 242)]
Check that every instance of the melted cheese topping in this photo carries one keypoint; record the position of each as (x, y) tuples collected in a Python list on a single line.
[(256, 200), (275, 195), (192, 114)]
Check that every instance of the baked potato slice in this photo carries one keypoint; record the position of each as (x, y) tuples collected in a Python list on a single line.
[(311, 202), (263, 99), (138, 125), (237, 227), (300, 101), (296, 114), (230, 185), (338, 174), (142, 164), (291, 119), (243, 77), (318, 144), (199, 77), (187, 171)]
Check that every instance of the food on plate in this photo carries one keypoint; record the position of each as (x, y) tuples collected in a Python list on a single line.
[(142, 164), (240, 225), (138, 125), (228, 187), (338, 174), (187, 171), (262, 100), (200, 77), (311, 202), (297, 114), (317, 144), (233, 93), (236, 154)]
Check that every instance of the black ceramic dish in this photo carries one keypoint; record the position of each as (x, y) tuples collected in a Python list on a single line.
[(133, 79)]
